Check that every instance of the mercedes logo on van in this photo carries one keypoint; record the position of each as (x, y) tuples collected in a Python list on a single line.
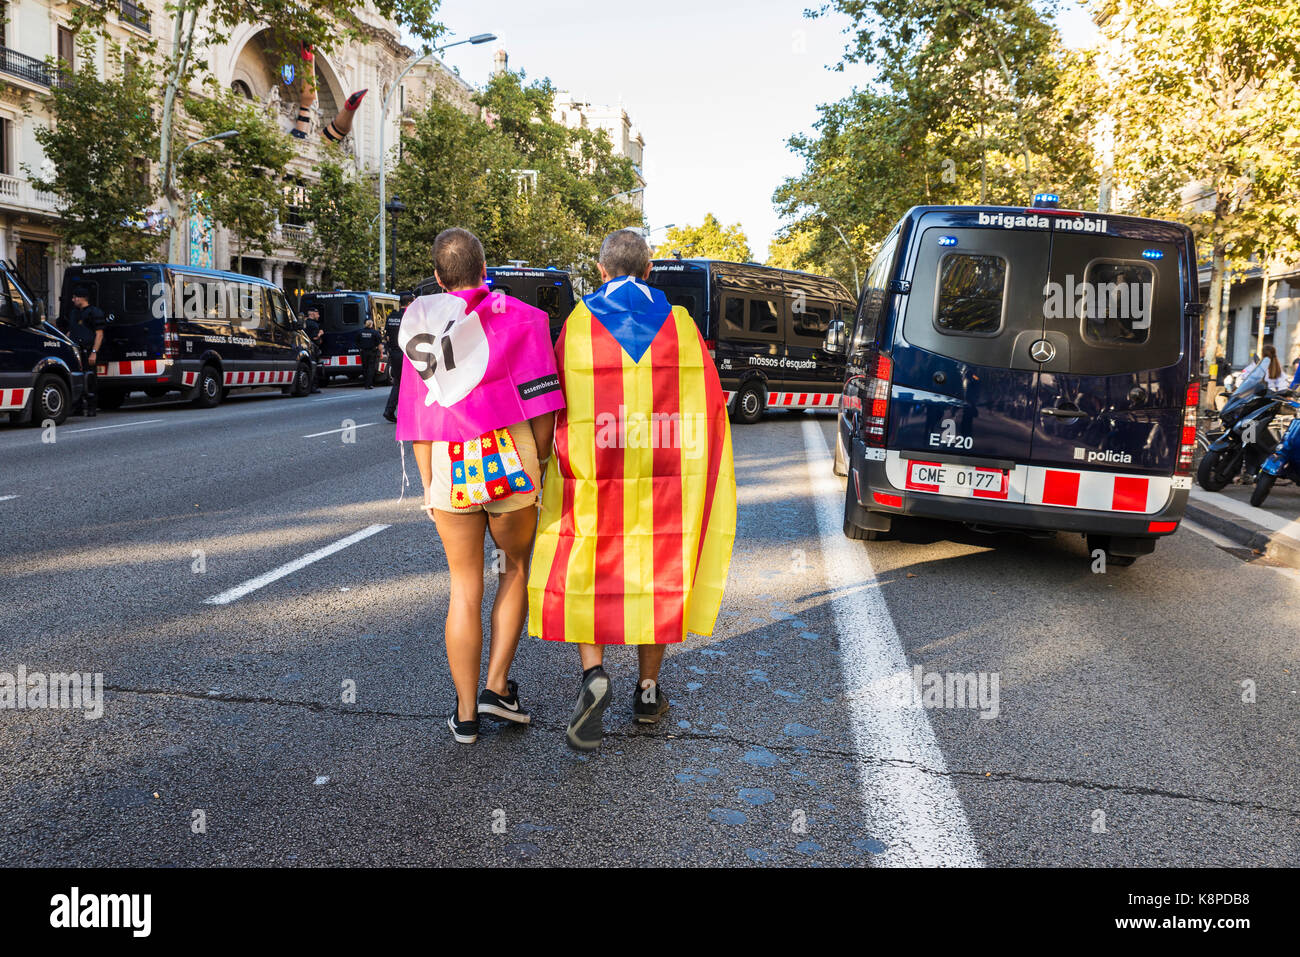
[(1042, 351)]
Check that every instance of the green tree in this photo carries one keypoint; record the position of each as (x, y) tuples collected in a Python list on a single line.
[(528, 186), (1203, 98), (237, 181), (341, 213), (969, 103), (709, 240), (103, 132)]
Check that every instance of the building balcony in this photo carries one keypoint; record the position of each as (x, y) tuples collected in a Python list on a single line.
[(134, 14), (27, 68), (17, 192)]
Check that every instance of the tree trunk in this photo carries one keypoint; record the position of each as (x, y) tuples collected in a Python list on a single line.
[(1212, 319), (1264, 299)]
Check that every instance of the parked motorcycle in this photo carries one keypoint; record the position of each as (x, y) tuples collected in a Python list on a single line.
[(1246, 439), (1283, 463)]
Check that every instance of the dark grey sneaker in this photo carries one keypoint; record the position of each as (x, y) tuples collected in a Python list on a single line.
[(584, 732), (649, 704), (506, 708)]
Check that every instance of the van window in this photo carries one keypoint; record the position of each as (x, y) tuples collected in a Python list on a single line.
[(733, 314), (11, 301), (971, 293), (136, 296), (764, 317), (1116, 302), (811, 318), (548, 300), (875, 294)]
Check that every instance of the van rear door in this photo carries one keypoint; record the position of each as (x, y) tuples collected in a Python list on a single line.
[(1111, 396), (130, 299), (963, 381)]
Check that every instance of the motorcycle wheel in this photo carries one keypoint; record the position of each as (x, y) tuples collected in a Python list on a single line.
[(1262, 488), (1216, 470)]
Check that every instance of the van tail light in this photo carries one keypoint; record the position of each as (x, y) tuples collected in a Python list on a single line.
[(875, 402), (171, 341), (712, 346), (1187, 442)]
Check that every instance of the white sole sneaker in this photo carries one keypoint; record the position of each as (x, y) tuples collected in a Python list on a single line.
[(460, 738)]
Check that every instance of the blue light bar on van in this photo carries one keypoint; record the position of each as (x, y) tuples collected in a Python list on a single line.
[(947, 240), (1153, 254), (1047, 200)]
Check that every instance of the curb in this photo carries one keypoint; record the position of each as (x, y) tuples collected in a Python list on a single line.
[(1282, 549)]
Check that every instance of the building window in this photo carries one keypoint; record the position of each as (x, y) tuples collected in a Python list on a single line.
[(6, 151), (242, 89), (67, 48)]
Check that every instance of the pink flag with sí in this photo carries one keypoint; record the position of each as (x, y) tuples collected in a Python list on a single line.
[(473, 361)]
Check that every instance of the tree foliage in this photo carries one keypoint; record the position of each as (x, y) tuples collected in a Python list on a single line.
[(342, 211), (530, 188), (237, 181), (709, 240), (103, 132)]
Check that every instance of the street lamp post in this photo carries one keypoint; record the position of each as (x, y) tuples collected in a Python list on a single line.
[(188, 200), (383, 124), (394, 209)]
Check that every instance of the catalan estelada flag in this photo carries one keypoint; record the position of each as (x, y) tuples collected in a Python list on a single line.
[(639, 500)]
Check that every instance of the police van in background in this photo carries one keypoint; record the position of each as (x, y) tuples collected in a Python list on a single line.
[(343, 313), (764, 328), (1032, 369), (41, 377), (549, 289), (199, 332)]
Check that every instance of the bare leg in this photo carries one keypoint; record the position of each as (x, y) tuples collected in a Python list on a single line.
[(649, 658), (462, 540), (513, 533), (591, 655), (341, 125), (302, 125)]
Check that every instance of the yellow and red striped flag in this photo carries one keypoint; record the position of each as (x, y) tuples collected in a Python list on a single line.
[(639, 500)]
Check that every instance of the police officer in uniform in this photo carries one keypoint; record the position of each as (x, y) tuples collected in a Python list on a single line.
[(391, 327), (86, 324), (368, 341), (314, 335)]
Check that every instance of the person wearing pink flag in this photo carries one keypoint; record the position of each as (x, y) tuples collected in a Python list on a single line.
[(477, 400)]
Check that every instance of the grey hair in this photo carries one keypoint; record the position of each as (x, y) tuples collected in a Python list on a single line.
[(625, 253)]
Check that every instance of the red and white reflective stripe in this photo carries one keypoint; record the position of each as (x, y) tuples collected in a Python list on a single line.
[(343, 360), (188, 378), (383, 367), (257, 378), (134, 367), (1061, 488), (803, 400), (13, 399)]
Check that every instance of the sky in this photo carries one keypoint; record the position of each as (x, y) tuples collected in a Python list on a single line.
[(716, 88)]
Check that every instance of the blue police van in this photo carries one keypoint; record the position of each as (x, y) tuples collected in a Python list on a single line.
[(41, 376), (549, 289), (343, 313), (1023, 368), (199, 332)]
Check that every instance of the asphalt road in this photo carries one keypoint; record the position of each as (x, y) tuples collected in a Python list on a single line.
[(1119, 695)]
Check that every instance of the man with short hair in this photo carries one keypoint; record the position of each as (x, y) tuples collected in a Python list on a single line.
[(86, 325), (639, 501)]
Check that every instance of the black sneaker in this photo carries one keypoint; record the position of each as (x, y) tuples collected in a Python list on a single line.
[(649, 704), (584, 732), (506, 708), (465, 732)]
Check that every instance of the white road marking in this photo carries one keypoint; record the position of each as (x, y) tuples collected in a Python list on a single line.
[(910, 803), (261, 581), (317, 435), (7, 498), (121, 425)]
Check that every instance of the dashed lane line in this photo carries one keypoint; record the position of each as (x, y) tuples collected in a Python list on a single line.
[(261, 581), (317, 435), (909, 801)]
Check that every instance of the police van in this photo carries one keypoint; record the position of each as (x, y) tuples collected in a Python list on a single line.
[(765, 329), (41, 377), (550, 290), (1024, 368), (199, 332), (343, 313)]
